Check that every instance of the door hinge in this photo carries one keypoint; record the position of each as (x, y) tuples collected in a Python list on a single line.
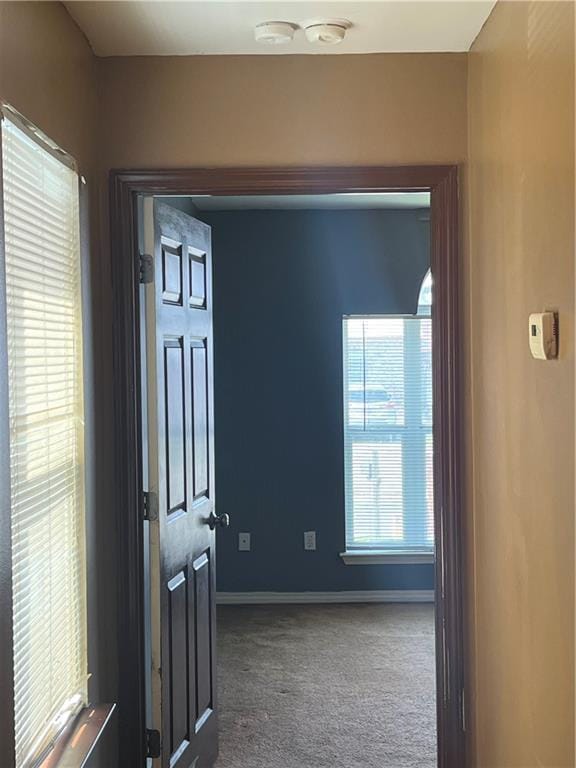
[(149, 506), (463, 704), (153, 744), (146, 268)]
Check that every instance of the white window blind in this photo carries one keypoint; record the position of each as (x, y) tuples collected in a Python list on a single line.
[(388, 434), (42, 261)]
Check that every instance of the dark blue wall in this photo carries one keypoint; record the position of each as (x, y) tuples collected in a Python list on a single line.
[(282, 282)]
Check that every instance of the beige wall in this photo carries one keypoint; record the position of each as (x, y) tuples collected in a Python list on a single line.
[(173, 112), (521, 248), (48, 72), (395, 108), (283, 110)]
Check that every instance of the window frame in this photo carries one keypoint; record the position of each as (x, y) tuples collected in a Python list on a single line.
[(7, 731), (85, 728), (378, 552)]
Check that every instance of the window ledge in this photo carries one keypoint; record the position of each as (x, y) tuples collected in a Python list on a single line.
[(75, 745), (376, 557)]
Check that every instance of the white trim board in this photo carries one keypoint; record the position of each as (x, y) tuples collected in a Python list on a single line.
[(367, 596), (366, 557)]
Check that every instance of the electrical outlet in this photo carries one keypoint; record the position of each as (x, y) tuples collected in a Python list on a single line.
[(243, 542), (309, 540)]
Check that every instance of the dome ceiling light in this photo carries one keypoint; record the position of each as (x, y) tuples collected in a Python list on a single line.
[(275, 32)]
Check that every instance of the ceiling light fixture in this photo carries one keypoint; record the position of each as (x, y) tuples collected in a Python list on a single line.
[(326, 31), (275, 32)]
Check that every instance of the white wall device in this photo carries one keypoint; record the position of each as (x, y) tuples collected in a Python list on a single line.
[(543, 335), (309, 540), (275, 32), (326, 31), (244, 543)]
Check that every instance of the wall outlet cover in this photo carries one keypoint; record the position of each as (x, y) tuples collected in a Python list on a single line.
[(309, 540), (244, 543)]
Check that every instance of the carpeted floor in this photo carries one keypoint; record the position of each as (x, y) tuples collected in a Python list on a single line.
[(326, 686)]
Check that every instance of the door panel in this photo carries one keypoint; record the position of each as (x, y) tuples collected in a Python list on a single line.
[(200, 417), (204, 666), (175, 417), (171, 271), (197, 278), (179, 660), (181, 472)]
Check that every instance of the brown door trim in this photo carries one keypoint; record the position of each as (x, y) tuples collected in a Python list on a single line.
[(442, 182)]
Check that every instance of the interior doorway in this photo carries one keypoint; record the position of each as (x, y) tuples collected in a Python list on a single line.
[(323, 404), (441, 184)]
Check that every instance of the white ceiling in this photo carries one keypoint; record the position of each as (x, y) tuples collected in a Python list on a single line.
[(164, 27), (349, 200)]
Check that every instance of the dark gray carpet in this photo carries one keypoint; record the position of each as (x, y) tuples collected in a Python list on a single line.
[(327, 686)]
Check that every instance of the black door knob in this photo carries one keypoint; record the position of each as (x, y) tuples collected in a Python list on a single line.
[(222, 520)]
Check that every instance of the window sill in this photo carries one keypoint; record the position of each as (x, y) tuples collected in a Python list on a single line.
[(375, 557), (75, 745)]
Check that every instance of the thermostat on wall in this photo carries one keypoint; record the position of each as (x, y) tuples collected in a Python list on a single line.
[(543, 330)]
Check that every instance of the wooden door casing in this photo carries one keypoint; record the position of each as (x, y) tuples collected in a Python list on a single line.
[(126, 188), (181, 475)]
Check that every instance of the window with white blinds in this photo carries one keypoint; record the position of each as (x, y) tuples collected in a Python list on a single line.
[(43, 312), (388, 432)]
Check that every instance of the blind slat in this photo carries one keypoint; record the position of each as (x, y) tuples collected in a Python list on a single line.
[(46, 439)]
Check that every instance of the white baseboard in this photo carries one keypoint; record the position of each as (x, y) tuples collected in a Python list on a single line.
[(368, 596)]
